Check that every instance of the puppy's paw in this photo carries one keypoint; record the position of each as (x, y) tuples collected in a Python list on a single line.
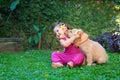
[(89, 64), (93, 64)]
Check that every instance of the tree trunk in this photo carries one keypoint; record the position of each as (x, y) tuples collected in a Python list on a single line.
[(39, 44)]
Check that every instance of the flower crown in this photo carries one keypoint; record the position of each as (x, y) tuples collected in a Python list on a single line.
[(63, 26)]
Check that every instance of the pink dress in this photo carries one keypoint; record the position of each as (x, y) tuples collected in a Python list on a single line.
[(71, 53)]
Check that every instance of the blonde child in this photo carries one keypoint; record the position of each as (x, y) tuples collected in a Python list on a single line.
[(72, 55)]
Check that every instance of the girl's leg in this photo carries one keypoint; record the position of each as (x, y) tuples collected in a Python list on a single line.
[(70, 64), (78, 59), (57, 59)]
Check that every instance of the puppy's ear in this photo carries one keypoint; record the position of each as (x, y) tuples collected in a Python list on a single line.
[(83, 36), (80, 31)]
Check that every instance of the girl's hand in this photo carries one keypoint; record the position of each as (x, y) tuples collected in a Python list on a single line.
[(77, 35), (74, 33)]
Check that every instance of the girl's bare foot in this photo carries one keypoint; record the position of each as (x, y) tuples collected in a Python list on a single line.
[(56, 65), (70, 64)]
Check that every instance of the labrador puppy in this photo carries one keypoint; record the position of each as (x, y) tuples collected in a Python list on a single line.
[(94, 52)]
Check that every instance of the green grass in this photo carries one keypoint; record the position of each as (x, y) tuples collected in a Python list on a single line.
[(36, 65)]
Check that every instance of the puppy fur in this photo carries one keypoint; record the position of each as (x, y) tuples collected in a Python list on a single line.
[(93, 50)]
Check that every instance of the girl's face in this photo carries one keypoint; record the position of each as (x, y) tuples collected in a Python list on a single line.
[(60, 32)]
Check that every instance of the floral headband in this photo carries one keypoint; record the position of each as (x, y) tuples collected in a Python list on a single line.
[(63, 26)]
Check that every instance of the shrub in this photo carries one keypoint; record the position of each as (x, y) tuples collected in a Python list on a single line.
[(94, 17)]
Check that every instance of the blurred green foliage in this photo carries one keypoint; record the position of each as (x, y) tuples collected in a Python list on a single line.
[(94, 17), (36, 36)]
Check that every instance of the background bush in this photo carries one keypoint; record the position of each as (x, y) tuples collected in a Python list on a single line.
[(94, 17)]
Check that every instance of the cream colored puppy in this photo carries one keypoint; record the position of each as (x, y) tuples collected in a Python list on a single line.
[(93, 50)]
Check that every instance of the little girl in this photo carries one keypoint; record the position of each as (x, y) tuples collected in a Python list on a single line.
[(72, 55)]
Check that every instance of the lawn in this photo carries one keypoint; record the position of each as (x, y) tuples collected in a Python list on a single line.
[(36, 65)]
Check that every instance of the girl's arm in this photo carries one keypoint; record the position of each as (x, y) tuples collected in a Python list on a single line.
[(68, 41)]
